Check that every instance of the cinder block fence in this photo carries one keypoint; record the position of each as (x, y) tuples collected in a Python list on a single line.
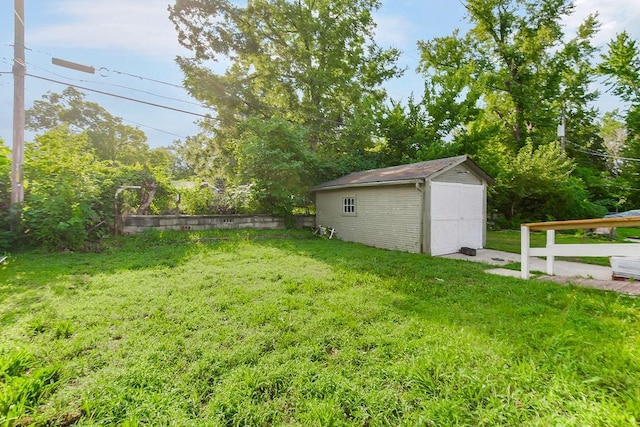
[(133, 224)]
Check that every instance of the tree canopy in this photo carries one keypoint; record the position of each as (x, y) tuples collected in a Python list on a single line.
[(110, 139), (313, 64), (498, 92), (621, 65), (513, 72), (310, 73)]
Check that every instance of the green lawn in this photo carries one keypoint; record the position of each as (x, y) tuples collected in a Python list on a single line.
[(263, 329)]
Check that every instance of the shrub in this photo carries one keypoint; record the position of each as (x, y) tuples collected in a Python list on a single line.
[(207, 201), (6, 236), (61, 187), (536, 184)]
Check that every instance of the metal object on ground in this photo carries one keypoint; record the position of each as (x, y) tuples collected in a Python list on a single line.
[(625, 267), (468, 251)]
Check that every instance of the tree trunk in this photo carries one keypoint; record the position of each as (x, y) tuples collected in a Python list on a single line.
[(149, 194)]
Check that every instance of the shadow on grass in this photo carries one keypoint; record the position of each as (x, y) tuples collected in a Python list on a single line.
[(447, 291), (528, 314), (29, 271)]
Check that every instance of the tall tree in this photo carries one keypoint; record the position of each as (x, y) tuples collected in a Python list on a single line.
[(109, 137), (409, 134), (621, 65), (451, 96), (501, 88), (517, 64), (313, 63)]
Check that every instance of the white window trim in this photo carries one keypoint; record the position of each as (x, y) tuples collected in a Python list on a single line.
[(349, 206)]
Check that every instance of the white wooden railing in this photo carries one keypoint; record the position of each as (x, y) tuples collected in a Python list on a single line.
[(552, 250)]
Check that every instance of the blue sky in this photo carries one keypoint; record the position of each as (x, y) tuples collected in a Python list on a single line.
[(127, 38)]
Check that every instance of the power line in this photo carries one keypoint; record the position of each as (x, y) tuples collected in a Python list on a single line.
[(153, 104), (595, 153), (117, 85), (154, 128), (232, 97), (106, 70), (145, 78), (5, 60), (146, 103)]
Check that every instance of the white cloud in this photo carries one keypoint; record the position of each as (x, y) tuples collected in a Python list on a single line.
[(614, 16), (393, 30), (136, 26)]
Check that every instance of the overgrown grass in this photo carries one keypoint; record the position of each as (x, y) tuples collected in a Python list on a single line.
[(509, 241), (243, 328)]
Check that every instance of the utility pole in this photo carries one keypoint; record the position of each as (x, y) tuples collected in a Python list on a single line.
[(19, 71), (562, 133)]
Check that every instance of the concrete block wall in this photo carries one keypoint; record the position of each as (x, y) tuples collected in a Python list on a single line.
[(134, 224)]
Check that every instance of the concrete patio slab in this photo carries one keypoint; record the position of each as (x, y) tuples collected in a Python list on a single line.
[(592, 276)]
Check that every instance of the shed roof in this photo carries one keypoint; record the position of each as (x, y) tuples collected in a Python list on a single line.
[(403, 173)]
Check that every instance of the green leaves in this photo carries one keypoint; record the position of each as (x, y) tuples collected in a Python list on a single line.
[(622, 64), (536, 184), (272, 155), (513, 64), (69, 194), (108, 137), (411, 134), (499, 91), (74, 168), (312, 63), (61, 188)]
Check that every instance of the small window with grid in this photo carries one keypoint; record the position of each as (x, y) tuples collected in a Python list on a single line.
[(349, 206)]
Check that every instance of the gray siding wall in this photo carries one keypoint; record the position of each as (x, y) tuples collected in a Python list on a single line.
[(386, 217), (459, 174)]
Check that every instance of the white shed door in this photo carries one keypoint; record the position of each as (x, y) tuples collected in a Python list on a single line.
[(457, 212)]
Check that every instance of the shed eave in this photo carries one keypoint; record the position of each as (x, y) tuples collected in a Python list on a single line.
[(368, 184)]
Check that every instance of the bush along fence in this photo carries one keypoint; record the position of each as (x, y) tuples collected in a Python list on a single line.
[(133, 224)]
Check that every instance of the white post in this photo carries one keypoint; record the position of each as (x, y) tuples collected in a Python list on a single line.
[(551, 241), (524, 251)]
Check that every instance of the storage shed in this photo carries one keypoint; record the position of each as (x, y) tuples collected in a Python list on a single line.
[(434, 207)]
